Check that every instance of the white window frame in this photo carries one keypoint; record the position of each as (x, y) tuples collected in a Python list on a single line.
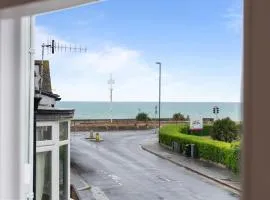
[(61, 143), (51, 149), (54, 130), (53, 146)]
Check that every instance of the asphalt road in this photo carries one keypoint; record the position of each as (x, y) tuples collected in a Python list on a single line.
[(118, 169)]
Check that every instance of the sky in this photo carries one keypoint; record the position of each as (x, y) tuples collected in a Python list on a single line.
[(199, 44)]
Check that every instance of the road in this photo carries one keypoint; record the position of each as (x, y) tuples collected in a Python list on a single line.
[(118, 169)]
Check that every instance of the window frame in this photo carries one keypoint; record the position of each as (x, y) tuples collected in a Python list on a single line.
[(53, 141), (54, 146)]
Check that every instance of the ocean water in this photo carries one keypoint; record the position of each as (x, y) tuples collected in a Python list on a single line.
[(129, 110)]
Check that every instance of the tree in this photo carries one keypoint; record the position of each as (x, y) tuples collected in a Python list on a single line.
[(142, 117), (178, 117), (224, 130)]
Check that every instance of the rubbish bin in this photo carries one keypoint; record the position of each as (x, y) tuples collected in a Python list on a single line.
[(176, 147), (187, 151)]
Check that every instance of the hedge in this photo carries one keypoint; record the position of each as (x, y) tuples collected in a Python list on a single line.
[(220, 152), (205, 132)]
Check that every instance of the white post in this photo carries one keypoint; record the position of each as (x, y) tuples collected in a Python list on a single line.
[(111, 82), (16, 108)]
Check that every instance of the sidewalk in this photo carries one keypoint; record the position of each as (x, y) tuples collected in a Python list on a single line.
[(209, 170), (83, 189)]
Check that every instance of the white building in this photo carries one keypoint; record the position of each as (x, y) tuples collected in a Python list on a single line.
[(51, 133)]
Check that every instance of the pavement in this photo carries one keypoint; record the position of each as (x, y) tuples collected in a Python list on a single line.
[(209, 170), (119, 169)]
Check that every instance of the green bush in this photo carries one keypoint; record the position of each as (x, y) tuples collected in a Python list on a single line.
[(205, 132), (142, 117), (224, 130), (184, 129), (220, 152), (239, 129), (178, 117)]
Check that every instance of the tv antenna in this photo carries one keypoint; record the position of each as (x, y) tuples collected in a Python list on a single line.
[(111, 82), (52, 47)]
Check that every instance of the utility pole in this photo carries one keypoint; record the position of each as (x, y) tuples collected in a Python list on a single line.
[(156, 119), (159, 94), (111, 82)]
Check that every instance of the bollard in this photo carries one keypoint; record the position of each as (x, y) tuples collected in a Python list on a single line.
[(97, 137), (192, 150), (91, 135)]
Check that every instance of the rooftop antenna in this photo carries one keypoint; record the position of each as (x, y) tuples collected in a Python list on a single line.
[(52, 47), (111, 82)]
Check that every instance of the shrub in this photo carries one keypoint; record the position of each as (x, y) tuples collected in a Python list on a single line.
[(204, 132), (184, 129), (220, 152), (178, 117), (239, 129), (224, 130), (142, 117)]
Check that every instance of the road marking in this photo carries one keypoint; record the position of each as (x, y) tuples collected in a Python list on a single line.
[(99, 194)]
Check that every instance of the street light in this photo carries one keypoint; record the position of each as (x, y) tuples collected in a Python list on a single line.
[(159, 94)]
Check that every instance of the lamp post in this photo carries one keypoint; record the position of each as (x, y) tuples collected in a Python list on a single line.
[(156, 119), (159, 94)]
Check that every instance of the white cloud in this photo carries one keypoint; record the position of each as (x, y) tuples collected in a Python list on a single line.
[(83, 76)]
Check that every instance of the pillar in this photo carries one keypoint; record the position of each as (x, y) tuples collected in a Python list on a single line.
[(256, 163)]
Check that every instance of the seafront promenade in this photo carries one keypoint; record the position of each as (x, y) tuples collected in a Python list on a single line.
[(122, 124), (116, 124)]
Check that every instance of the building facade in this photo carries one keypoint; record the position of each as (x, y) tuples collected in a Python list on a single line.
[(52, 140)]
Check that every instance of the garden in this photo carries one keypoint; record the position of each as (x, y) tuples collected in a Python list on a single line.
[(219, 142)]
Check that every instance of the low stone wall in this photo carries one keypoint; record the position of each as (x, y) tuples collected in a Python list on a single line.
[(117, 124)]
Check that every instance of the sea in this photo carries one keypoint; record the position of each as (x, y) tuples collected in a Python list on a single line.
[(129, 110)]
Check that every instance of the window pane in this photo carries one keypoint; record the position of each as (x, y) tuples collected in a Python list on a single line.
[(44, 133), (63, 131), (43, 176), (63, 172)]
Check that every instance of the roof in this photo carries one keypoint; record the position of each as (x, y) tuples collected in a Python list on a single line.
[(54, 114), (49, 94)]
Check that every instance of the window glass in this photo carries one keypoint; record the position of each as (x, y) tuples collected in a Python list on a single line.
[(63, 172), (63, 135), (43, 176), (44, 133)]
